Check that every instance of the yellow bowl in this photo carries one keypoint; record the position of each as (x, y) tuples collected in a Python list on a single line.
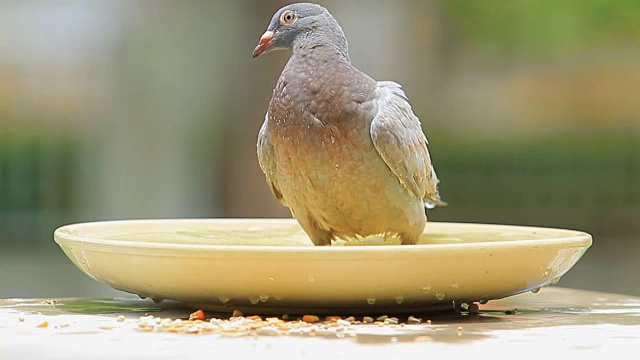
[(270, 265)]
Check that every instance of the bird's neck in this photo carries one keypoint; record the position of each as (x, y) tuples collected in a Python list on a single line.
[(322, 59), (326, 44)]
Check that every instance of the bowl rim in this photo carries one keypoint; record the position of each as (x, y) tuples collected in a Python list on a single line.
[(64, 238)]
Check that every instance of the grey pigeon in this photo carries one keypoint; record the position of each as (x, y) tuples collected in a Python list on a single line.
[(344, 152)]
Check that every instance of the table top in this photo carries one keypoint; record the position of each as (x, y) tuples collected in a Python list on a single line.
[(554, 321)]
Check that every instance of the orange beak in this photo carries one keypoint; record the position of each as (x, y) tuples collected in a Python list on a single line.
[(265, 43)]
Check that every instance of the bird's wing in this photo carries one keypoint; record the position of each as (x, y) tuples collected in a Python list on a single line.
[(398, 137), (267, 160)]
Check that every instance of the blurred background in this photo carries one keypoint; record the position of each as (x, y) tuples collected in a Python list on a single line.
[(151, 109)]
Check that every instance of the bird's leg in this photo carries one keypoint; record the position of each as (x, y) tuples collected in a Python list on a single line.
[(323, 240), (319, 236), (406, 239)]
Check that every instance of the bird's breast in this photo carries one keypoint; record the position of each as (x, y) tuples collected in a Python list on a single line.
[(319, 123)]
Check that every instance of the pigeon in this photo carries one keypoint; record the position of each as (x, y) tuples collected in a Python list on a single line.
[(344, 152)]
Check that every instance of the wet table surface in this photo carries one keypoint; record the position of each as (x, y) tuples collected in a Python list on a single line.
[(554, 322)]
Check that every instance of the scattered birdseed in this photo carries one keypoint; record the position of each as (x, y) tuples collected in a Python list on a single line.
[(193, 330), (270, 321), (252, 326), (268, 331), (310, 318), (198, 315), (144, 324)]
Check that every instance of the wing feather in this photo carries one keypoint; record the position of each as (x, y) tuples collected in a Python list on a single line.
[(397, 135), (267, 161)]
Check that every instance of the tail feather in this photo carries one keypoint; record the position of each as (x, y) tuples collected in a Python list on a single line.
[(431, 204)]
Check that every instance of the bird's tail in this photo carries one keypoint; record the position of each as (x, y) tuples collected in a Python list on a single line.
[(432, 203)]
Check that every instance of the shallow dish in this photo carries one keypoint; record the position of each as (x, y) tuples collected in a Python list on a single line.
[(270, 266)]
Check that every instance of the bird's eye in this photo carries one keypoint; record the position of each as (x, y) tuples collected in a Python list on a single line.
[(288, 17)]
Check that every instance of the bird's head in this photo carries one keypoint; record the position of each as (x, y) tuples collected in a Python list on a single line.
[(299, 23)]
